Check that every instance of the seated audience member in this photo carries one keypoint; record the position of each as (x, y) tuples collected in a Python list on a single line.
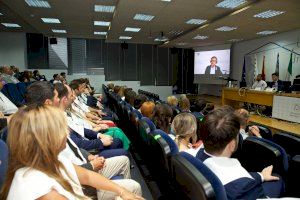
[(184, 126), (121, 93), (64, 75), (259, 83), (130, 96), (7, 75), (27, 76), (37, 76), (244, 120), (116, 89), (81, 125), (161, 117), (16, 72), (110, 87), (139, 100), (276, 82), (6, 106), (220, 141), (184, 104), (43, 93), (198, 108), (39, 171), (172, 101), (147, 109), (56, 78)]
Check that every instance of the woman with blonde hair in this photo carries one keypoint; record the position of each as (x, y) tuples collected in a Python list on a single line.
[(172, 101), (147, 108), (36, 170), (184, 126)]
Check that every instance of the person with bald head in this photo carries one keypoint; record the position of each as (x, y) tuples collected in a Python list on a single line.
[(244, 115), (7, 75)]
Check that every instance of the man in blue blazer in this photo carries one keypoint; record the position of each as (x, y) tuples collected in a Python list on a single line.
[(213, 69)]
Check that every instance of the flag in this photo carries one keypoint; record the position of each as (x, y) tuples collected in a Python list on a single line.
[(255, 69), (290, 69), (277, 64), (263, 75), (244, 71)]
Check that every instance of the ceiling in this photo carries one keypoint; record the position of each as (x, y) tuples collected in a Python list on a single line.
[(77, 17)]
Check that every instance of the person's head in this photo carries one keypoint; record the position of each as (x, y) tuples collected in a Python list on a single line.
[(110, 86), (258, 77), (147, 108), (162, 115), (121, 91), (7, 70), (26, 75), (220, 133), (139, 100), (64, 94), (130, 97), (117, 89), (275, 77), (34, 141), (56, 77), (184, 126), (63, 74), (36, 73), (184, 104), (41, 93), (172, 101), (213, 61), (243, 114), (209, 107), (14, 69), (78, 86), (200, 105), (1, 83)]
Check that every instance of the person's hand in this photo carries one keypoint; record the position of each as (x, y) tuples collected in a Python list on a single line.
[(107, 141), (98, 163), (267, 174), (126, 195), (254, 130), (92, 157)]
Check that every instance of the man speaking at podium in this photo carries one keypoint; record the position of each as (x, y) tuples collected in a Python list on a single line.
[(213, 69)]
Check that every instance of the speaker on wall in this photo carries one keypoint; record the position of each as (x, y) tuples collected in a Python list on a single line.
[(53, 40)]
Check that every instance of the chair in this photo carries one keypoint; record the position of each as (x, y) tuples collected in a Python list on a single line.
[(149, 122), (293, 177), (14, 93), (290, 143), (22, 88), (265, 132), (173, 146), (208, 185), (258, 153), (3, 161)]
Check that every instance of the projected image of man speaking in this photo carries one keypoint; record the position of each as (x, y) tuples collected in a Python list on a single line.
[(213, 68)]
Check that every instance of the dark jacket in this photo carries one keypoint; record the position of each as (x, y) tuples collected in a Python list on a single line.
[(218, 71)]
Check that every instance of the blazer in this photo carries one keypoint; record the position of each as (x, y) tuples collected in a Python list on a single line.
[(83, 143), (218, 71)]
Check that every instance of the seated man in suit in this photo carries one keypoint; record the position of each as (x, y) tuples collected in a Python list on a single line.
[(6, 106), (7, 74), (213, 69), (220, 142), (277, 84), (259, 83)]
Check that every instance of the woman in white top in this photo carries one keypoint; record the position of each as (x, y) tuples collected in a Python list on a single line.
[(36, 137), (184, 126)]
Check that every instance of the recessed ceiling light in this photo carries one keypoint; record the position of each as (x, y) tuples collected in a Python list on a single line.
[(266, 32), (129, 29), (200, 37), (230, 3), (51, 20), (38, 3), (101, 23), (235, 40), (107, 9), (100, 33), (181, 43), (58, 31), (143, 17), (269, 14), (161, 39), (175, 32), (11, 25), (1, 14), (196, 21), (226, 28), (125, 37)]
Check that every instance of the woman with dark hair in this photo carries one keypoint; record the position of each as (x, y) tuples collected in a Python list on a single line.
[(162, 116)]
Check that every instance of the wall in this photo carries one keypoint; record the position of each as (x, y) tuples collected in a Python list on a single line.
[(13, 49)]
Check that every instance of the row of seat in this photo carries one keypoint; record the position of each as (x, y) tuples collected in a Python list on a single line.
[(174, 171), (15, 92), (150, 95)]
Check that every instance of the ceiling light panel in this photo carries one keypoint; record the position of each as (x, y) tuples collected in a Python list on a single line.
[(181, 44), (200, 37), (102, 8), (226, 28), (125, 38), (11, 25), (38, 3), (175, 32), (196, 21), (58, 31), (100, 33), (1, 14), (101, 23), (161, 39), (130, 29), (266, 32), (51, 20), (269, 14), (143, 17), (235, 40), (231, 4)]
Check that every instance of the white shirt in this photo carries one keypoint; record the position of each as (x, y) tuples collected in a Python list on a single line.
[(262, 85), (29, 184), (6, 106), (9, 79), (69, 154), (56, 81), (213, 70), (192, 151), (244, 133)]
